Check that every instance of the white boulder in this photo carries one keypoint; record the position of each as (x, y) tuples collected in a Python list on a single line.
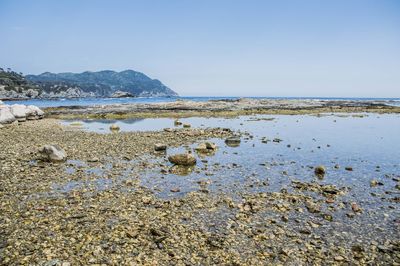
[(53, 153), (19, 111), (6, 115), (23, 112)]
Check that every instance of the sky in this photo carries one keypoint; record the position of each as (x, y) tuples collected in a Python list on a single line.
[(309, 48)]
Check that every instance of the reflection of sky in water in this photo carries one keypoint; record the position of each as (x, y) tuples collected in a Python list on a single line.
[(362, 143), (370, 145)]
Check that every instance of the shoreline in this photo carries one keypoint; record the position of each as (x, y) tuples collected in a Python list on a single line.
[(218, 108)]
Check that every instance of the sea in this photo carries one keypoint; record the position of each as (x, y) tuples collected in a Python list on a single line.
[(105, 101)]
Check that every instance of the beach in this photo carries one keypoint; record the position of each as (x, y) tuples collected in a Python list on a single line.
[(297, 183)]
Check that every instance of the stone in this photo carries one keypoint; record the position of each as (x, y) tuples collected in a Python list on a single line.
[(114, 127), (320, 170), (6, 115), (53, 153), (184, 159), (177, 123), (375, 183), (355, 207), (348, 168), (312, 207), (19, 111), (34, 112), (232, 141), (206, 147), (186, 125), (160, 147)]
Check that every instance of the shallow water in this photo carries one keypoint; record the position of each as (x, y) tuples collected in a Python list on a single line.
[(369, 143)]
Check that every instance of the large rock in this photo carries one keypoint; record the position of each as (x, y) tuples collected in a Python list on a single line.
[(19, 111), (34, 112), (184, 159), (22, 112), (6, 115), (53, 153)]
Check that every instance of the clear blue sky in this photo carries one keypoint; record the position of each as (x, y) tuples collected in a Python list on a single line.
[(214, 47)]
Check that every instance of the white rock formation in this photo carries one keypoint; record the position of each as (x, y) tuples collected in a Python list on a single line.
[(20, 112)]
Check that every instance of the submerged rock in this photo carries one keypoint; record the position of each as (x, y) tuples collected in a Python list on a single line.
[(181, 170), (186, 125), (53, 153), (184, 159), (320, 170), (232, 141)]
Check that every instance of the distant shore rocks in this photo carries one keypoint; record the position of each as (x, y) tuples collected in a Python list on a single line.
[(19, 112), (121, 94)]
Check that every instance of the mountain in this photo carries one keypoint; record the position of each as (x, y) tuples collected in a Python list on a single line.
[(105, 83), (15, 85)]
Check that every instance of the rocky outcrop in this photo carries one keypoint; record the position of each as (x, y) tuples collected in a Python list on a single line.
[(52, 153), (121, 94), (19, 112)]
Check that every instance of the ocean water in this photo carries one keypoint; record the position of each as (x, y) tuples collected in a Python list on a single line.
[(106, 101)]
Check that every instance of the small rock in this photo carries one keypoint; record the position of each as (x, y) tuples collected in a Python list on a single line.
[(53, 153), (320, 170), (177, 123), (339, 258), (206, 147), (186, 125), (160, 147), (348, 168), (184, 159), (375, 183), (355, 207), (114, 127), (233, 141), (175, 190)]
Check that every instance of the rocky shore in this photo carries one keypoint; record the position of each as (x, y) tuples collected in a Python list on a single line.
[(185, 108), (90, 206)]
